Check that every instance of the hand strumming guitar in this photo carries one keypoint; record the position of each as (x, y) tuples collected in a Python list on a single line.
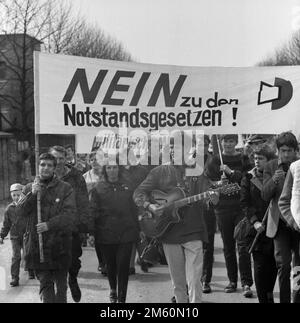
[(156, 209), (214, 197)]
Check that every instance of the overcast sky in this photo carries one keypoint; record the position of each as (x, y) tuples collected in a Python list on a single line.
[(196, 32)]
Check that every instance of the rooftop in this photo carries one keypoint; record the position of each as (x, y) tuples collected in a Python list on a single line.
[(19, 35)]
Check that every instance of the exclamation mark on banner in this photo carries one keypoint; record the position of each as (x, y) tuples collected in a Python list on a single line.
[(234, 113)]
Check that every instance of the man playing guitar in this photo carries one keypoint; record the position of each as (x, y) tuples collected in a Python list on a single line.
[(182, 241)]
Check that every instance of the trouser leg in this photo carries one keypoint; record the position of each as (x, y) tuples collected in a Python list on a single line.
[(244, 263), (176, 261), (60, 279), (46, 279), (124, 254), (110, 257), (193, 266), (16, 258), (208, 259), (132, 256), (226, 225), (283, 257), (76, 254)]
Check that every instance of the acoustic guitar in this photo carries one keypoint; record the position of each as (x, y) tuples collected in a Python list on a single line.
[(155, 226)]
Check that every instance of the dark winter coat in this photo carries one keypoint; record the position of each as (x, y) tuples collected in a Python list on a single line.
[(57, 210), (135, 175), (13, 224), (254, 208), (165, 178), (82, 218), (240, 165), (201, 184), (114, 213)]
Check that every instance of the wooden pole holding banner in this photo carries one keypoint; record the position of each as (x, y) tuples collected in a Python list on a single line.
[(37, 144), (39, 211), (258, 234), (223, 177)]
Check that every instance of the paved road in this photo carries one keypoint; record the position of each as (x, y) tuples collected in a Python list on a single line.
[(152, 287)]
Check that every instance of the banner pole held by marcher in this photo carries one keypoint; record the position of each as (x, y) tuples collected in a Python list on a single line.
[(39, 212)]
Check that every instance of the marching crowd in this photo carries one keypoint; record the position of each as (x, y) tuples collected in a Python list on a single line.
[(108, 204)]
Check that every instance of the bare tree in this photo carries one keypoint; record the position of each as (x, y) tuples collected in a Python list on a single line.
[(27, 26), (47, 25), (92, 41), (286, 54)]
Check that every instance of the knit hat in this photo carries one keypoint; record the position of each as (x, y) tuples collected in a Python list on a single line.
[(16, 187)]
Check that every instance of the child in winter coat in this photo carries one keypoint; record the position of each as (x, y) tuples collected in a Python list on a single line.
[(16, 227)]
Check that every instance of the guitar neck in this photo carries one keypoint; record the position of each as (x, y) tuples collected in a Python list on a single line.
[(192, 199)]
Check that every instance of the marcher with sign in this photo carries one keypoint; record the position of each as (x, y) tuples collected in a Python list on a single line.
[(58, 208), (229, 214), (254, 208), (286, 240)]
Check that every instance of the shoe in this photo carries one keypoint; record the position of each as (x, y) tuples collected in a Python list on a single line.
[(247, 292), (14, 283), (131, 271), (231, 288), (113, 296), (75, 290), (206, 289), (144, 266), (173, 299)]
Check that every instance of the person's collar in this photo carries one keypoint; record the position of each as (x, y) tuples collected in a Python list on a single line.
[(252, 172), (67, 170), (47, 181)]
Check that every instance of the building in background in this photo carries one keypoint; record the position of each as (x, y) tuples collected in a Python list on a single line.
[(16, 85)]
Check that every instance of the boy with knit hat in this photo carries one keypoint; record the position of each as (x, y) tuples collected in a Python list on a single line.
[(16, 227)]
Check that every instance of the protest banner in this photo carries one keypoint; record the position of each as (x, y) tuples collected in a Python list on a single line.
[(82, 96)]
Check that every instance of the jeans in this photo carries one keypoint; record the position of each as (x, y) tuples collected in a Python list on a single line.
[(17, 246), (49, 279), (185, 264), (117, 258), (227, 222), (286, 249)]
